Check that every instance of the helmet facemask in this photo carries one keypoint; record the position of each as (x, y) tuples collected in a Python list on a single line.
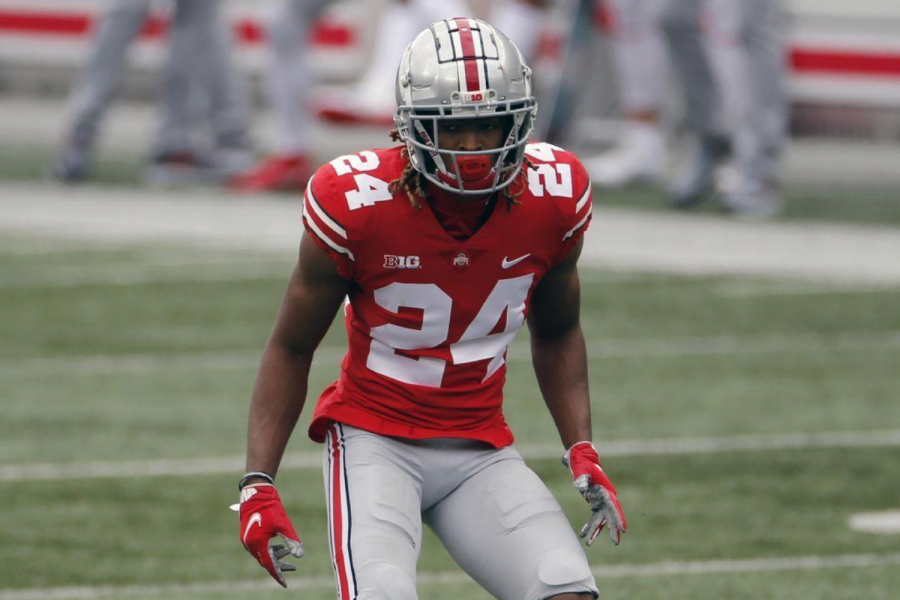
[(474, 172)]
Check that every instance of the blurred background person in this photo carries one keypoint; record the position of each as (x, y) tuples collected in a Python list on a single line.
[(371, 100), (368, 101), (204, 117), (289, 84), (563, 63), (729, 57), (200, 96), (524, 21), (640, 66)]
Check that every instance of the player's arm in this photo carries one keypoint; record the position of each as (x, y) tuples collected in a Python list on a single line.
[(559, 355), (558, 349), (313, 296)]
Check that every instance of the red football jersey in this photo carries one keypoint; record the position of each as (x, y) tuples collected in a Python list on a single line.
[(430, 317)]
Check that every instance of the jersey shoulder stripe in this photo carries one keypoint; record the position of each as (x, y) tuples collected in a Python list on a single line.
[(584, 203), (322, 225), (348, 199), (310, 198), (585, 199)]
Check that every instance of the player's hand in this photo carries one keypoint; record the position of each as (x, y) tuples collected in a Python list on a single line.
[(262, 518), (598, 490)]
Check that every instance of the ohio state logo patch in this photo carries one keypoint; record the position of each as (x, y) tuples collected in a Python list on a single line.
[(461, 260)]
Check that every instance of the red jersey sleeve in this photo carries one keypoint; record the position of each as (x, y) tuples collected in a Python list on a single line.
[(328, 221), (575, 211)]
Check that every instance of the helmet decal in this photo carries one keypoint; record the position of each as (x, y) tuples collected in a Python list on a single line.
[(472, 76)]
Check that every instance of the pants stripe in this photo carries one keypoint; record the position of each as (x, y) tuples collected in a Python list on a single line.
[(349, 515), (329, 456), (341, 521)]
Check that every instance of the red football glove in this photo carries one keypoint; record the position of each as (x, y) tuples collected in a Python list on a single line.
[(262, 518), (598, 490)]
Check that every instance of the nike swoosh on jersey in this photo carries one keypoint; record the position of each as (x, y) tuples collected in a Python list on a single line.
[(511, 263), (255, 519)]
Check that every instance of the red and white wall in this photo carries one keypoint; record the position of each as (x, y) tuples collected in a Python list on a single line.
[(59, 33), (840, 52), (845, 52)]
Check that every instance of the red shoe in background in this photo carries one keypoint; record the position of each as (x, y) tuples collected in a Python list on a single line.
[(337, 115), (277, 173)]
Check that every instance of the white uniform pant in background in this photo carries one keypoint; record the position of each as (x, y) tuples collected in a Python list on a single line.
[(198, 89), (103, 73), (201, 92), (496, 518), (397, 27), (290, 78), (522, 22), (639, 54), (730, 58)]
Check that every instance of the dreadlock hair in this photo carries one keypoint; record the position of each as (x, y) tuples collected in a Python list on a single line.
[(413, 183)]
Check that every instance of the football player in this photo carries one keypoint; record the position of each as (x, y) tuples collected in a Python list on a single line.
[(444, 247)]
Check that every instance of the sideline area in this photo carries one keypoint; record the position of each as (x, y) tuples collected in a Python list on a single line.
[(620, 239)]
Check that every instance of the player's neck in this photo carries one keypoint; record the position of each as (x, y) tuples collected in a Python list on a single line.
[(461, 203), (460, 216)]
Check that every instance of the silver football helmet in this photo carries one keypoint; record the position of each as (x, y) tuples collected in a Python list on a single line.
[(463, 69)]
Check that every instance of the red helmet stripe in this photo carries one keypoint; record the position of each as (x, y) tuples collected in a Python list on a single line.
[(467, 41)]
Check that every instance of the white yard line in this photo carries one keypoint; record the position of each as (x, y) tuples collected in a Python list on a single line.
[(705, 245), (216, 271), (436, 578), (801, 342), (622, 239), (884, 522), (759, 289), (133, 364), (788, 563), (736, 443), (804, 342), (134, 277), (313, 459)]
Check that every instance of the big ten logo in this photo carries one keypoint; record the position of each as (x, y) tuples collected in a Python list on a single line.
[(401, 262), (473, 97)]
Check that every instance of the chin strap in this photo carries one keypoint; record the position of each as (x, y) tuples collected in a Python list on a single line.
[(432, 148)]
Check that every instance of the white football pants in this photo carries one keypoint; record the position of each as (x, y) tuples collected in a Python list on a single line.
[(290, 78), (638, 53), (399, 24), (197, 71), (521, 22), (200, 82), (496, 518), (729, 55)]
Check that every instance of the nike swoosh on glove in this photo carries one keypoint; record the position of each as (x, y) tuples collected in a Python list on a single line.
[(262, 518), (598, 490)]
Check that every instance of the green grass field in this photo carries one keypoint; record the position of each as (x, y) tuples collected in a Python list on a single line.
[(143, 353)]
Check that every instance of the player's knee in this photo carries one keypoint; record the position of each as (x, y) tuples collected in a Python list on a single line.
[(567, 572), (384, 581)]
